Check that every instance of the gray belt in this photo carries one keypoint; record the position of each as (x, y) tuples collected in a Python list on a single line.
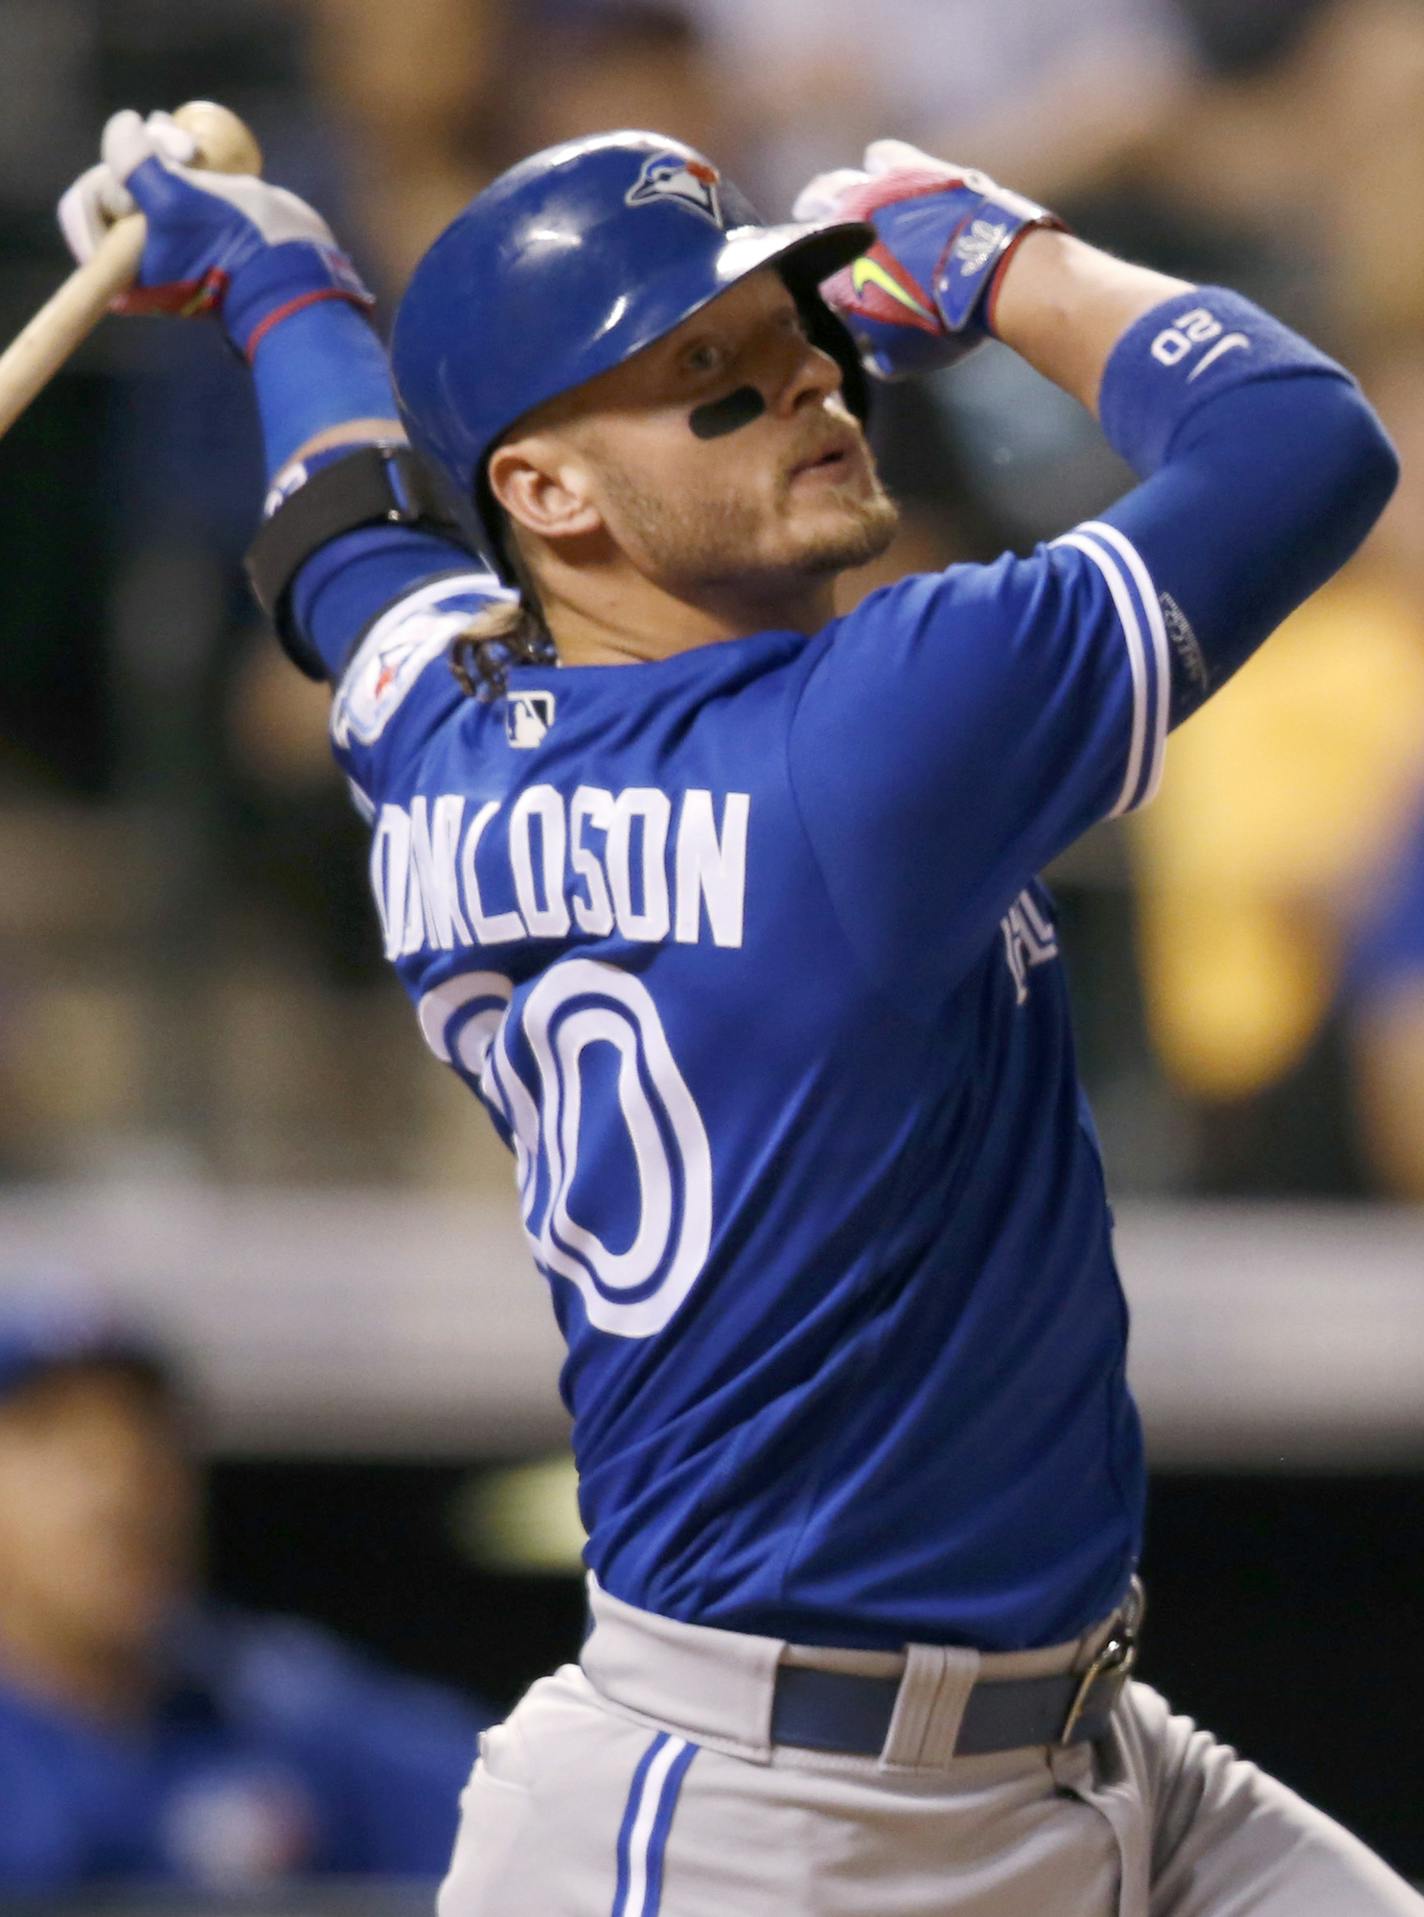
[(834, 1711)]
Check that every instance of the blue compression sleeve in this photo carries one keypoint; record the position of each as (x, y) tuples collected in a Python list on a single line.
[(318, 368), (1268, 467)]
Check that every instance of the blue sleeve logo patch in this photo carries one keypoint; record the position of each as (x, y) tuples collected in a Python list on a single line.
[(398, 648)]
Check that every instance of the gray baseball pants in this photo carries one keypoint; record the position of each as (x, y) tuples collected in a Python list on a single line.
[(641, 1783)]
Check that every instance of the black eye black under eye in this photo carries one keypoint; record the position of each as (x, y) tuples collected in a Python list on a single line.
[(727, 415)]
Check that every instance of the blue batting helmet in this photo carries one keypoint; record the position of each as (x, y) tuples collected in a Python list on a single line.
[(566, 266)]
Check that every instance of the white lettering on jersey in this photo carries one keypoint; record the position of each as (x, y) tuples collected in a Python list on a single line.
[(594, 808), (394, 882), (501, 927), (1029, 940), (712, 872), (541, 896), (639, 830), (603, 860), (433, 844)]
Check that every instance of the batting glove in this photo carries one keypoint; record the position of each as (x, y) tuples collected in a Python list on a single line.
[(923, 296), (225, 242)]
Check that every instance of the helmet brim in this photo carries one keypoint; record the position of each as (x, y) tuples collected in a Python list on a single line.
[(806, 251)]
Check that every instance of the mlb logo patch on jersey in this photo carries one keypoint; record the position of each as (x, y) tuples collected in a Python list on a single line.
[(672, 176), (527, 717)]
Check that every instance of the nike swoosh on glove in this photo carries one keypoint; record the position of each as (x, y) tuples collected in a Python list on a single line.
[(923, 296)]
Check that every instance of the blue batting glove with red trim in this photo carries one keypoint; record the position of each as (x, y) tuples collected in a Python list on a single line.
[(223, 242), (923, 296)]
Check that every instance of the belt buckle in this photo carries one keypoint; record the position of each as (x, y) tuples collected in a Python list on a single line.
[(1117, 1658)]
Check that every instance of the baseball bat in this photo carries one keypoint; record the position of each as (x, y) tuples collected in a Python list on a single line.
[(66, 320)]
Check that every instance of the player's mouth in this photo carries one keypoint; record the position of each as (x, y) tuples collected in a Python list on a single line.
[(835, 459)]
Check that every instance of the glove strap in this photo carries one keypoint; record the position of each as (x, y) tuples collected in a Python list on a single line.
[(367, 486), (966, 280), (281, 280)]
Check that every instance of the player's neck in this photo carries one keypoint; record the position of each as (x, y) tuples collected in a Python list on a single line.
[(630, 620), (95, 1680)]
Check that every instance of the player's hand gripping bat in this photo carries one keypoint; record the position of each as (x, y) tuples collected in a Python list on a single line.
[(63, 323)]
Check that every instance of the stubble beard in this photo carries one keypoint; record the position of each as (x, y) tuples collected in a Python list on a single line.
[(722, 541)]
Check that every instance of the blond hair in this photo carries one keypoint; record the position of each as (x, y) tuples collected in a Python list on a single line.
[(505, 633)]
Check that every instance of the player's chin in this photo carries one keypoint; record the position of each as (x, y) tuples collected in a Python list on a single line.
[(845, 532)]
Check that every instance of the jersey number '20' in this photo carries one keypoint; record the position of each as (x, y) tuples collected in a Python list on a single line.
[(577, 1004)]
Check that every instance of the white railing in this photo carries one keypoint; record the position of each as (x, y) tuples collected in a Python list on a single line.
[(405, 1322)]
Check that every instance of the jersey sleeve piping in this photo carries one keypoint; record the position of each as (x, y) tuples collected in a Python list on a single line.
[(1145, 633), (1159, 657)]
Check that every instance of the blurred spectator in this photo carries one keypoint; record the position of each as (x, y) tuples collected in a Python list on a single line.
[(1384, 999), (177, 856), (1281, 804), (421, 92), (144, 1733), (1049, 92), (638, 63), (1313, 132)]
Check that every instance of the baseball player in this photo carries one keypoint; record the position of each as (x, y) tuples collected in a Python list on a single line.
[(149, 1735), (725, 909)]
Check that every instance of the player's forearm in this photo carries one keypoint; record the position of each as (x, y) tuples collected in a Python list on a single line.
[(322, 381), (1063, 306), (324, 393), (1264, 468)]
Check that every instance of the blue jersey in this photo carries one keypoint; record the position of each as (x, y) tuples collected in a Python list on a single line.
[(272, 1752), (744, 955)]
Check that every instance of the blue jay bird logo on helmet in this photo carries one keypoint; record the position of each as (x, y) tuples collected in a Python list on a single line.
[(676, 176)]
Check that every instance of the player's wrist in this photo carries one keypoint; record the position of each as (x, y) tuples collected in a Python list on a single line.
[(274, 283), (317, 367), (990, 225), (1026, 258)]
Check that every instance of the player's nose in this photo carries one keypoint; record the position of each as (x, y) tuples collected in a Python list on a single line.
[(799, 373), (814, 377)]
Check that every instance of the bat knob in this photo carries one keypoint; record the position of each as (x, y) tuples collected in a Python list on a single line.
[(225, 144)]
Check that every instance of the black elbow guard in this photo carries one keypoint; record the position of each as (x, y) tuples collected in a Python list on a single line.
[(369, 486)]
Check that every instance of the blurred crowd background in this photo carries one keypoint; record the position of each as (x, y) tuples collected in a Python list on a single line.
[(191, 990)]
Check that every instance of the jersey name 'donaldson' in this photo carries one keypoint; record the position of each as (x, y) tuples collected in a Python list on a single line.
[(599, 862), (450, 871)]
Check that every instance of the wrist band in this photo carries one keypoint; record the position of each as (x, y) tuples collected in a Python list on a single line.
[(1176, 358), (965, 282)]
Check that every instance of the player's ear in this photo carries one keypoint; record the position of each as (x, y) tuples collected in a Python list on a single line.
[(544, 487)]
